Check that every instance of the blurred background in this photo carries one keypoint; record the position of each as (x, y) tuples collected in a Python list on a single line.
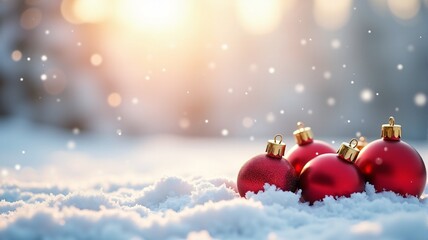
[(215, 68)]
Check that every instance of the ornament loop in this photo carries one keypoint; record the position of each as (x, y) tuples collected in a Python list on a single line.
[(300, 125), (391, 121), (280, 138), (355, 141)]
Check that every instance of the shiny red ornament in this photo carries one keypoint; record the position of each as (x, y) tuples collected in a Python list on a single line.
[(332, 175), (391, 164), (306, 148), (269, 168)]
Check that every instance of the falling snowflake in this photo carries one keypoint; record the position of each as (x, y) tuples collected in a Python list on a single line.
[(400, 67), (135, 101), (44, 58), (303, 42), (366, 95), (43, 77), (299, 88), (271, 70), (420, 99), (17, 167), (331, 101), (327, 75), (184, 123), (224, 46), (76, 131), (71, 145), (270, 117), (335, 43), (224, 132), (119, 132), (247, 122)]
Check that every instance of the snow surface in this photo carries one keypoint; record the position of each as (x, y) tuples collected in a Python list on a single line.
[(172, 188)]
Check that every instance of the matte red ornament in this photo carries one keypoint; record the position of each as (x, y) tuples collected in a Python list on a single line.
[(269, 168), (306, 148), (391, 164), (332, 175)]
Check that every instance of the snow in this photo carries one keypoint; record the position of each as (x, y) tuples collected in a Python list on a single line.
[(169, 187)]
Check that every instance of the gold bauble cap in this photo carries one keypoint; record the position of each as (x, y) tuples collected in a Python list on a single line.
[(362, 142), (391, 131), (275, 148), (349, 151), (303, 135)]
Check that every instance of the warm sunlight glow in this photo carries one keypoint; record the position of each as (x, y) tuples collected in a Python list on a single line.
[(156, 15), (91, 11), (404, 9), (332, 14), (261, 16)]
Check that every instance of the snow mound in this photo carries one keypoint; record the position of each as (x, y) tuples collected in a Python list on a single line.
[(198, 208)]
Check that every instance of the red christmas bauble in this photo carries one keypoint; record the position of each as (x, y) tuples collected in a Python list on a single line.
[(263, 169), (331, 175), (393, 165), (300, 154)]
